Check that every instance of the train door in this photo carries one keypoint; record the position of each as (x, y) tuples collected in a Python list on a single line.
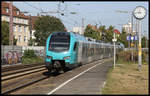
[(79, 52), (75, 52)]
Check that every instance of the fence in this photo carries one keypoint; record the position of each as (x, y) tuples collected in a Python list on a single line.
[(13, 54), (143, 49), (39, 50)]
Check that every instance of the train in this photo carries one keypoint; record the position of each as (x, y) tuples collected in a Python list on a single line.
[(66, 50)]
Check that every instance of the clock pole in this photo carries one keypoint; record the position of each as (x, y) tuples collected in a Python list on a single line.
[(139, 47), (139, 13)]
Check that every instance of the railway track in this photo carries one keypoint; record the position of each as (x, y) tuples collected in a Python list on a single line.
[(8, 90), (18, 67), (13, 80)]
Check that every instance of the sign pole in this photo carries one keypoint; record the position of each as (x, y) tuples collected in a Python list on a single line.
[(114, 50), (114, 40)]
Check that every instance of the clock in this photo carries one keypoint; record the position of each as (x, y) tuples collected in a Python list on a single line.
[(139, 12)]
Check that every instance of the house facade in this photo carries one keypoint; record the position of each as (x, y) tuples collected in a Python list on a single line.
[(21, 30)]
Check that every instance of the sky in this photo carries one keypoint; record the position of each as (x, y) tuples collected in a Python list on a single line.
[(91, 12)]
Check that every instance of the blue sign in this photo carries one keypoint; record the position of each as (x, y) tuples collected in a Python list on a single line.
[(132, 38), (135, 38), (128, 38)]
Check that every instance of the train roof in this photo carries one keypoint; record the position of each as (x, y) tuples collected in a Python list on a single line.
[(82, 38)]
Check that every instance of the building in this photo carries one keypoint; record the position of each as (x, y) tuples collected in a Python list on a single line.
[(33, 19), (127, 27), (20, 23), (78, 30), (94, 27)]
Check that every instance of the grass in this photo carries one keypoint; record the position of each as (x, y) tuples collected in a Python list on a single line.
[(32, 60), (126, 79)]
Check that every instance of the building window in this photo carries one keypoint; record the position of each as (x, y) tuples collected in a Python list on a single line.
[(7, 10), (14, 28), (19, 28), (17, 12), (21, 21), (25, 28), (25, 22), (17, 20), (7, 18), (24, 38), (19, 38), (14, 20)]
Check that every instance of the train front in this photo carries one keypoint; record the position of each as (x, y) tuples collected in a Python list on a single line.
[(58, 51)]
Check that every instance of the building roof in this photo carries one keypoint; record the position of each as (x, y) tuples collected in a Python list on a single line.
[(5, 5)]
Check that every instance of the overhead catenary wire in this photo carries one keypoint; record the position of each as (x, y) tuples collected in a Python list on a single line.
[(33, 6)]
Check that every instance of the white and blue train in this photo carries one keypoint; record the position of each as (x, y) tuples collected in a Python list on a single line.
[(67, 50)]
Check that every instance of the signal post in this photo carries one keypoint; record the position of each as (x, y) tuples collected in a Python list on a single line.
[(114, 40)]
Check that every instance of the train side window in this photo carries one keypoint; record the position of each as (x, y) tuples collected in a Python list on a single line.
[(75, 46)]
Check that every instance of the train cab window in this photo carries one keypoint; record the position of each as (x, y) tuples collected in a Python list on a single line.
[(59, 42)]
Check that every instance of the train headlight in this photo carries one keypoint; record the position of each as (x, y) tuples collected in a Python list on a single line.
[(67, 57), (49, 57)]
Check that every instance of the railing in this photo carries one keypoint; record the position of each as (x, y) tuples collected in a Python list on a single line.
[(143, 49)]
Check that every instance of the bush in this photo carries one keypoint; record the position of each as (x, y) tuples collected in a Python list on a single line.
[(127, 56), (29, 54), (32, 60)]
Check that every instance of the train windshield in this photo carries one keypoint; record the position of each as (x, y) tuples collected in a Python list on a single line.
[(59, 42)]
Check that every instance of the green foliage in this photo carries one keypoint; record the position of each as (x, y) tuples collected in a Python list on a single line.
[(122, 38), (109, 34), (5, 33), (102, 30), (15, 41), (100, 33), (31, 42), (30, 57), (44, 26), (106, 35), (26, 60), (29, 54), (144, 40), (89, 32)]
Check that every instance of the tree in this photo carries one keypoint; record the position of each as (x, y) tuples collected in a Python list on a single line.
[(123, 38), (31, 42), (15, 41), (90, 32), (102, 32), (109, 34), (5, 34), (44, 26)]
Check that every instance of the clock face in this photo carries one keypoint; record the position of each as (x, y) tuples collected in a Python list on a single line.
[(139, 12)]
